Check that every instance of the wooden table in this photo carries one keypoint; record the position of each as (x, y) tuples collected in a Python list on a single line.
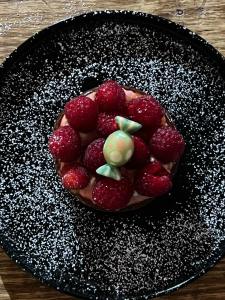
[(18, 20)]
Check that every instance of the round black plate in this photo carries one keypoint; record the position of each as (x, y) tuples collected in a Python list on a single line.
[(76, 249)]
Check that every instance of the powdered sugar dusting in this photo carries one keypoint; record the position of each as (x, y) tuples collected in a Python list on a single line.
[(86, 252)]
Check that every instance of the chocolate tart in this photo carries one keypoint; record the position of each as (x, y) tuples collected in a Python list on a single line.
[(137, 200)]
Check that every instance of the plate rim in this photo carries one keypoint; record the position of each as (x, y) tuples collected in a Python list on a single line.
[(162, 21), (176, 29)]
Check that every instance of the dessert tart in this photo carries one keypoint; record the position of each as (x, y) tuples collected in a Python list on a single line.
[(116, 147)]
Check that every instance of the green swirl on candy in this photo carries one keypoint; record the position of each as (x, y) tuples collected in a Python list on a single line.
[(118, 148)]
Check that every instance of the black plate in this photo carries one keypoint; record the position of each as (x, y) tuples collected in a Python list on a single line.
[(84, 252)]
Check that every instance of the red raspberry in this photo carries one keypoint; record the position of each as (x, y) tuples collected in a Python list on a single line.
[(64, 167), (106, 124), (127, 173), (156, 168), (145, 110), (140, 155), (110, 97), (74, 177), (153, 180), (145, 134), (167, 144), (93, 157), (82, 113), (112, 195), (65, 144)]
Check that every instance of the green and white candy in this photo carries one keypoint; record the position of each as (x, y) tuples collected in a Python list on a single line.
[(118, 148)]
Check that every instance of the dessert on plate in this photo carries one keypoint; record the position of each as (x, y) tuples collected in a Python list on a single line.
[(115, 147)]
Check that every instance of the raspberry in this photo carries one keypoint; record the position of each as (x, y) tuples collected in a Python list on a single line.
[(65, 144), (145, 110), (112, 195), (140, 155), (145, 134), (153, 180), (75, 177), (127, 173), (167, 144), (93, 157), (110, 97), (82, 113), (106, 124)]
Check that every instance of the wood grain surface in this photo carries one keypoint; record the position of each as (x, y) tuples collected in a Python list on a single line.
[(18, 21)]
